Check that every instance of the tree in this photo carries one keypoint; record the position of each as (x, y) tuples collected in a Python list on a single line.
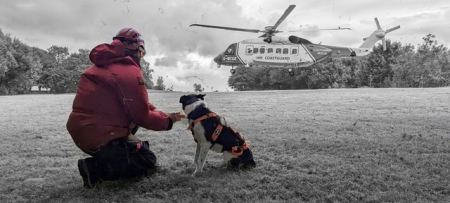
[(261, 78), (60, 53), (53, 71), (7, 63), (432, 61), (404, 69), (198, 88), (19, 66), (147, 73), (63, 71), (377, 68), (160, 84), (278, 78), (243, 79)]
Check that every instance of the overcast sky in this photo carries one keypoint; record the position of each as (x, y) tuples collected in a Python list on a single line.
[(182, 55)]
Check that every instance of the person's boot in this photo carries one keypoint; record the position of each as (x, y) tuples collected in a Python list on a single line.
[(157, 168), (89, 171)]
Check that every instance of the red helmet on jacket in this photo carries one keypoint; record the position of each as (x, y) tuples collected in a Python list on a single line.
[(132, 39)]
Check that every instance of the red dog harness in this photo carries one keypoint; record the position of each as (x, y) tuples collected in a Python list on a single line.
[(236, 150)]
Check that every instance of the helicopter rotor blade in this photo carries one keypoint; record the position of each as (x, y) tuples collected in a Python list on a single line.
[(384, 44), (378, 24), (227, 28), (286, 13), (339, 28), (392, 29)]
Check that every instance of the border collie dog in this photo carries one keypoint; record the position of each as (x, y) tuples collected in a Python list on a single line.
[(211, 132)]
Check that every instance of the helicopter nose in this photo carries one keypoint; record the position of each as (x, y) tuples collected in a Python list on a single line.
[(218, 59)]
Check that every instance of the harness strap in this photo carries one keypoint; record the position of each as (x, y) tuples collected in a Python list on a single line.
[(200, 119), (217, 132), (236, 150)]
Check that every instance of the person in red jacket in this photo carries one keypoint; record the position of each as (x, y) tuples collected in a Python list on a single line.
[(110, 105)]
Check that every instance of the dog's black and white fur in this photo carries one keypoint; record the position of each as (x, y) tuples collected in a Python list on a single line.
[(195, 107)]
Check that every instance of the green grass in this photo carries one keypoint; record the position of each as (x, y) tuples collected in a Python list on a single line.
[(342, 145)]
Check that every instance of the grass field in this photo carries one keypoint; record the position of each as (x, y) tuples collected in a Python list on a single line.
[(340, 145)]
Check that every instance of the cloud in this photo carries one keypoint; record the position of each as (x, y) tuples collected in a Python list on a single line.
[(166, 61)]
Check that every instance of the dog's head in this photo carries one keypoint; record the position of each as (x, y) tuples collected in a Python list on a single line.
[(244, 161), (191, 101)]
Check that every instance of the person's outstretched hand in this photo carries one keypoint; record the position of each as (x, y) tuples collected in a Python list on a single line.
[(175, 117)]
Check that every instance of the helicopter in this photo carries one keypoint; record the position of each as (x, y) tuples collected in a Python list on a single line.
[(289, 51)]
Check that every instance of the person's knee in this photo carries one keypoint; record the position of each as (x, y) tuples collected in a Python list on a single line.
[(144, 157)]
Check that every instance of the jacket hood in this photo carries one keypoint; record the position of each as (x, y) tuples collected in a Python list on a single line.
[(105, 54)]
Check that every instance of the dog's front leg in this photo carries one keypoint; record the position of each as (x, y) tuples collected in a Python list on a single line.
[(197, 152), (226, 158), (204, 149)]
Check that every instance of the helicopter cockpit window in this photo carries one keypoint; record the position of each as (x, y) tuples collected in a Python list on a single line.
[(255, 50), (294, 50), (261, 50), (249, 50), (230, 51), (285, 51), (278, 51), (269, 50)]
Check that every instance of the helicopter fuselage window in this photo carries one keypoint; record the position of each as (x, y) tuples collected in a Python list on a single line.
[(261, 50), (269, 50), (294, 50), (255, 50), (278, 51), (285, 51), (229, 51)]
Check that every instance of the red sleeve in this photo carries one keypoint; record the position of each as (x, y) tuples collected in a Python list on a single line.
[(135, 99)]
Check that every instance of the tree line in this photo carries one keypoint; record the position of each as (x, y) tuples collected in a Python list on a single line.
[(399, 66), (22, 67)]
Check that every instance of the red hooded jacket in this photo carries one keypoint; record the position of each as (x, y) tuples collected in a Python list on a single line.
[(111, 99)]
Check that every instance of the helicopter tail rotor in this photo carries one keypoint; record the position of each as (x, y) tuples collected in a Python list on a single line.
[(392, 29), (377, 35)]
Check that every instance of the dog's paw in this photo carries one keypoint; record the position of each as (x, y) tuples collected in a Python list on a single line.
[(223, 164), (187, 170)]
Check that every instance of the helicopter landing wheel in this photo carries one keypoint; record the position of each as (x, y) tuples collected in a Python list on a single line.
[(291, 72), (232, 71)]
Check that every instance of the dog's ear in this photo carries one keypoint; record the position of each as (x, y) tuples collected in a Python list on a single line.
[(182, 98), (200, 96)]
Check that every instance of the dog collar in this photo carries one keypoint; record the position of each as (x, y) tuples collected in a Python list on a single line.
[(209, 115)]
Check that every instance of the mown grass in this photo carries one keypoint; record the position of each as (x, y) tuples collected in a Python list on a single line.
[(341, 145)]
